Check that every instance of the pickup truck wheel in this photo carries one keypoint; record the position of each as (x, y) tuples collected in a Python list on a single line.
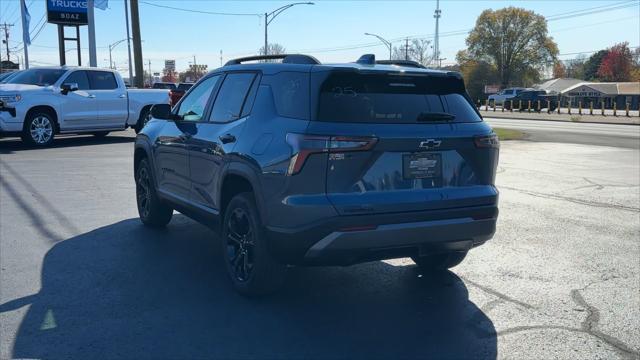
[(153, 212), (145, 116), (39, 129), (251, 268), (441, 261), (100, 134)]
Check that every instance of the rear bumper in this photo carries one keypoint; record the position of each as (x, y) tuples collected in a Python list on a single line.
[(338, 241)]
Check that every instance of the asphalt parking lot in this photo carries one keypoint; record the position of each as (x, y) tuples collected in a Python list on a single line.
[(82, 278)]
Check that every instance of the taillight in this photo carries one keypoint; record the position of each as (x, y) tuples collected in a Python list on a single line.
[(305, 145), (487, 141)]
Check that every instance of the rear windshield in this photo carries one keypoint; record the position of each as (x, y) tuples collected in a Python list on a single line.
[(164, 86), (385, 98), (184, 87)]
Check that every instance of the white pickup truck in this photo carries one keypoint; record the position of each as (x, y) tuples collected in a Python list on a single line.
[(504, 95), (40, 102)]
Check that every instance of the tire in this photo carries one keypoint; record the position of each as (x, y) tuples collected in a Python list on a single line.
[(143, 119), (251, 268), (442, 261), (100, 134), (153, 212), (39, 129)]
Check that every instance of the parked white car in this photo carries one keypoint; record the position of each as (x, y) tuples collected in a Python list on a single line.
[(506, 94), (40, 102)]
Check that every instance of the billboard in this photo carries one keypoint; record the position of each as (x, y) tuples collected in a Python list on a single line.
[(491, 89), (67, 12), (170, 65)]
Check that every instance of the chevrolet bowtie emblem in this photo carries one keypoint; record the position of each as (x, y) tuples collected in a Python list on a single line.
[(430, 144)]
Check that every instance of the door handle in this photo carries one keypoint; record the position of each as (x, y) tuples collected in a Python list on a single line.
[(227, 138), (122, 96), (92, 96)]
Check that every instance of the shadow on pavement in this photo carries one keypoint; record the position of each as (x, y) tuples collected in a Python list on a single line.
[(125, 291), (10, 145)]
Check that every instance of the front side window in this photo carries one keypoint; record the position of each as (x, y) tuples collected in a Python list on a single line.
[(193, 105), (39, 77), (102, 80), (80, 78), (232, 95)]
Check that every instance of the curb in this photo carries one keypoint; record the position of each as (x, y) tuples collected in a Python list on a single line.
[(558, 120)]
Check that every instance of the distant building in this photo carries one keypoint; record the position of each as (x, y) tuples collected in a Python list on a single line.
[(8, 66), (575, 91)]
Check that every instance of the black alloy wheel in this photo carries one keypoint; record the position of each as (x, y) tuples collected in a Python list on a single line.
[(240, 244)]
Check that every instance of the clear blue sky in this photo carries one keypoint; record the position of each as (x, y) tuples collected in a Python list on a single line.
[(326, 30)]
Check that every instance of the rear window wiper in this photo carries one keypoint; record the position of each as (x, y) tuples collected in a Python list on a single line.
[(435, 116)]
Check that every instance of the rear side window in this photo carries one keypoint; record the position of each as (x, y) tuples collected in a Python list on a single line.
[(102, 80), (231, 97), (290, 93), (80, 78), (384, 98)]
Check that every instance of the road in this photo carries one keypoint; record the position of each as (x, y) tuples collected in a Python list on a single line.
[(80, 277), (626, 136)]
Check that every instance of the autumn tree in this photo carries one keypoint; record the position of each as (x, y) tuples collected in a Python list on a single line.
[(559, 70), (169, 75), (617, 64), (513, 40)]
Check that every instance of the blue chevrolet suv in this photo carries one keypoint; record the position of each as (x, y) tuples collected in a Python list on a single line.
[(296, 162)]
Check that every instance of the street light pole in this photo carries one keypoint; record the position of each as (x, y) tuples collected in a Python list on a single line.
[(384, 41), (268, 18), (111, 47)]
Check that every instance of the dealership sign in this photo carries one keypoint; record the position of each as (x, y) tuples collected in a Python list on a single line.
[(67, 12)]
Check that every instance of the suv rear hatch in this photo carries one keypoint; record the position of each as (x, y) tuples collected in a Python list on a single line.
[(400, 141)]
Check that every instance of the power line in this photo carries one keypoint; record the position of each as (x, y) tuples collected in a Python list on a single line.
[(584, 12), (199, 11)]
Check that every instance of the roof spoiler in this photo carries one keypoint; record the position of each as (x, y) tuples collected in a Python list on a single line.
[(405, 63), (286, 59)]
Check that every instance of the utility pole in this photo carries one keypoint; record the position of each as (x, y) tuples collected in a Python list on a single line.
[(406, 49), (221, 58), (126, 16), (137, 44), (436, 43), (6, 27)]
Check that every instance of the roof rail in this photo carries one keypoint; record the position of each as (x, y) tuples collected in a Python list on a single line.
[(286, 59), (406, 63)]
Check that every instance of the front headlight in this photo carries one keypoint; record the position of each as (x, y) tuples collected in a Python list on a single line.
[(8, 99)]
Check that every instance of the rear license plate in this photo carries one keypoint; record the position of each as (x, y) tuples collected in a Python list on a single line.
[(422, 166)]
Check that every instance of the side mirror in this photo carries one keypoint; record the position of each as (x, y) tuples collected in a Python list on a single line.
[(162, 111), (69, 87)]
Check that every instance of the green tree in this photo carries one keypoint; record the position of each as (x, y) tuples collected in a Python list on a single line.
[(476, 75), (592, 65), (514, 41)]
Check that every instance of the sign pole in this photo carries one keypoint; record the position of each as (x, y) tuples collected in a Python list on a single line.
[(61, 49), (126, 15), (92, 34), (25, 34)]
